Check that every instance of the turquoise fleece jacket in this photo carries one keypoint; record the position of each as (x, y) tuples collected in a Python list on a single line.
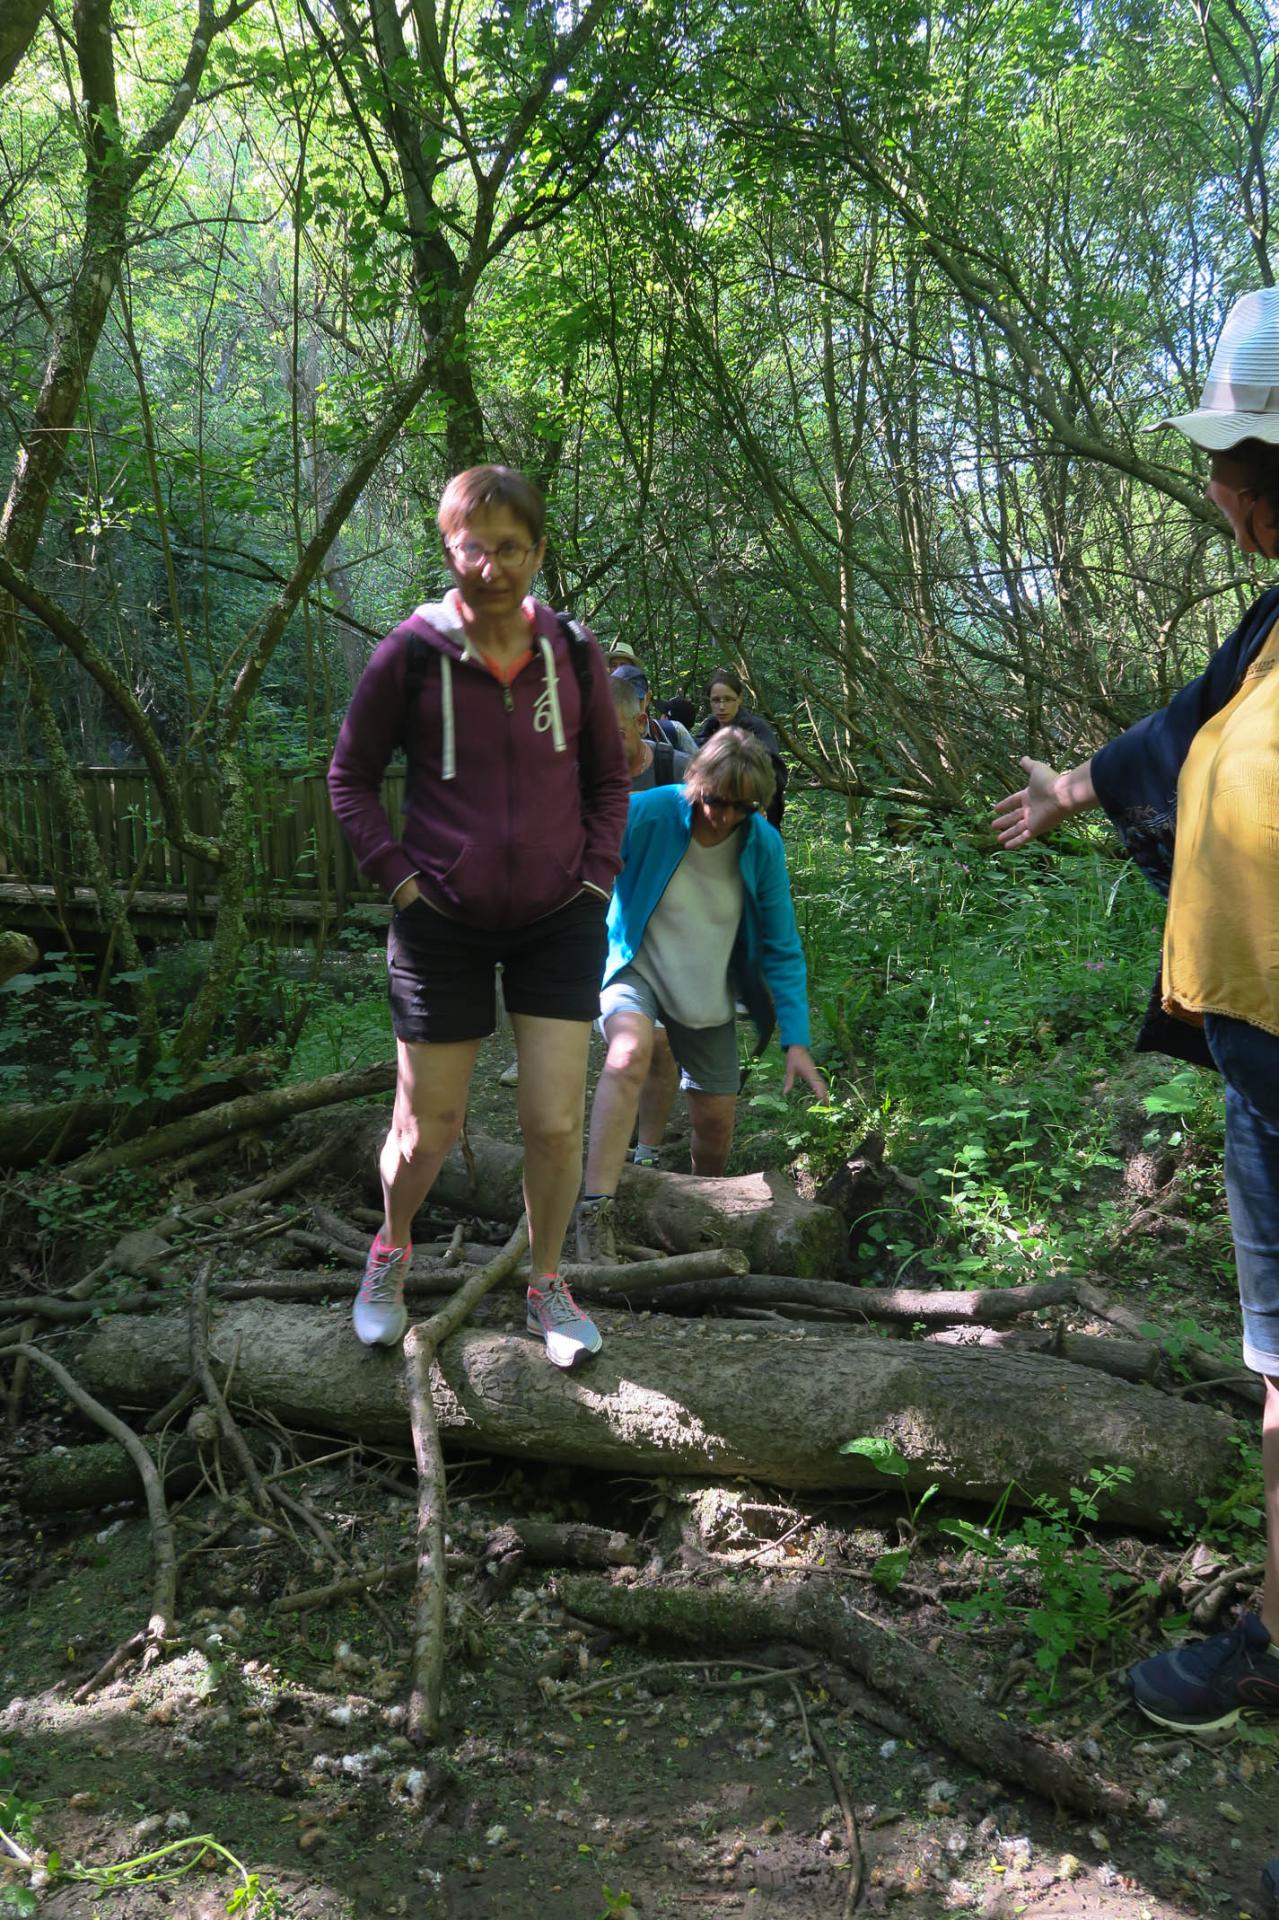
[(767, 970)]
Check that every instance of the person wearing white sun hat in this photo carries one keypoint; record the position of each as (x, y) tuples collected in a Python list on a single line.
[(1193, 793)]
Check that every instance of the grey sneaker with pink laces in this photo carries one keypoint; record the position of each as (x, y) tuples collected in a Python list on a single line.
[(570, 1334), (379, 1315)]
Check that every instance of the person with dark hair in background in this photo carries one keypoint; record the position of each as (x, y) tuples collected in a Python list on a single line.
[(1193, 792), (515, 805), (679, 709), (726, 693)]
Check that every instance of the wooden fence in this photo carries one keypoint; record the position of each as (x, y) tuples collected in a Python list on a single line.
[(300, 854)]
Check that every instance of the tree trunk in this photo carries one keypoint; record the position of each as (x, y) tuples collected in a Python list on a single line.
[(759, 1212), (704, 1401)]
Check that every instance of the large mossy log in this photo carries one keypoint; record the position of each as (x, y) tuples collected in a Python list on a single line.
[(705, 1401), (678, 1213)]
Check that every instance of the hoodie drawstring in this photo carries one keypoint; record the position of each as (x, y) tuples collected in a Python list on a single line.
[(448, 766), (552, 694)]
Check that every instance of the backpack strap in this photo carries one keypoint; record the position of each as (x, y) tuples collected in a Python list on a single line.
[(579, 652), (663, 763)]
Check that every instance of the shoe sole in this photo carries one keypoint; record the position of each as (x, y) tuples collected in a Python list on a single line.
[(566, 1366), (379, 1341), (1190, 1726)]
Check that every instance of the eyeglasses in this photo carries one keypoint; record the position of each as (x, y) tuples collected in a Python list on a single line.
[(718, 804), (471, 554)]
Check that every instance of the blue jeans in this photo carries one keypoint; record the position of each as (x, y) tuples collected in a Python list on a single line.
[(1248, 1059)]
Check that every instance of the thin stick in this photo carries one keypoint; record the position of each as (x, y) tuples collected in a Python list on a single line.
[(275, 1183), (18, 1385), (164, 1586), (176, 1404), (209, 1387), (755, 1670), (857, 1874), (420, 1347), (397, 1573)]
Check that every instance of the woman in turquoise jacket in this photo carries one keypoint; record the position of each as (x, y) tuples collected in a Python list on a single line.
[(701, 919)]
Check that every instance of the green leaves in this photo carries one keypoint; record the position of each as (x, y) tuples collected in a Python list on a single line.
[(881, 1453)]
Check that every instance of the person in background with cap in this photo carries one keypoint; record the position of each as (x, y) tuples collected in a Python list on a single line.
[(1193, 793), (621, 657)]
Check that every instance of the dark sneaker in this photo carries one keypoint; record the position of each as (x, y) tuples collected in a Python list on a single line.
[(596, 1233), (1270, 1890), (570, 1334), (379, 1315), (1211, 1682)]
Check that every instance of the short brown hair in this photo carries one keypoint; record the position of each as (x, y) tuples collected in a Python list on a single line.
[(491, 487), (734, 765)]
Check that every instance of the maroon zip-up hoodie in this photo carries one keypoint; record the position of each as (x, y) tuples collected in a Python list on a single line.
[(497, 828)]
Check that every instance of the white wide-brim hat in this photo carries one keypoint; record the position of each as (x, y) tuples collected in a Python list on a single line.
[(1240, 399)]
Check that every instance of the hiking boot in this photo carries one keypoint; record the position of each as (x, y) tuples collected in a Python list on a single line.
[(1209, 1683), (379, 1315), (597, 1232), (571, 1335)]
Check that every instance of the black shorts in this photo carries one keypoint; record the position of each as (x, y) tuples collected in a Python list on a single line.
[(442, 972)]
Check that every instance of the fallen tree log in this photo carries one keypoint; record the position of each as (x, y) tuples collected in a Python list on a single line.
[(1126, 1359), (31, 1131), (710, 1401), (678, 1213), (728, 1618), (264, 1109)]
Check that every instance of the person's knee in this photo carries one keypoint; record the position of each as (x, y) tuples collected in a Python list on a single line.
[(415, 1135), (629, 1056), (714, 1121), (553, 1136)]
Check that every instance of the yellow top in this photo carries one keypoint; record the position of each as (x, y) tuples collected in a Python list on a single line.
[(1221, 937)]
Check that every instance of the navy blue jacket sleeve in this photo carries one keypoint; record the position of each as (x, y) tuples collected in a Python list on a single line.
[(1135, 775)]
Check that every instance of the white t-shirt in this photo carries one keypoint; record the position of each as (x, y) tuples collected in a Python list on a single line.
[(688, 941)]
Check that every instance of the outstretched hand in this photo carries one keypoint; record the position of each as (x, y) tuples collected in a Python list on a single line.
[(800, 1065), (1033, 810)]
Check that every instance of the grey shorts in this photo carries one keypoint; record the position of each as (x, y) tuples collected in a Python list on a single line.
[(706, 1056)]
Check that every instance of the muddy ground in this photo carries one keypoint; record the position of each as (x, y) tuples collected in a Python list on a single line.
[(578, 1777)]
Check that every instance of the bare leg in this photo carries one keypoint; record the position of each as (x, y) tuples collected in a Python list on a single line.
[(713, 1116), (658, 1094), (617, 1095), (1270, 1475), (552, 1056), (430, 1106)]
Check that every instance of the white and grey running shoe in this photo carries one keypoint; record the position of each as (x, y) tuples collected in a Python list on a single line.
[(379, 1315), (570, 1334)]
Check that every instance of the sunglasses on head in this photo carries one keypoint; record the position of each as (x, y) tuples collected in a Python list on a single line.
[(718, 804)]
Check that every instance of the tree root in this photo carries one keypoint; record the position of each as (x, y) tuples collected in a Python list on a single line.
[(150, 1640), (724, 1617), (199, 1314), (420, 1347)]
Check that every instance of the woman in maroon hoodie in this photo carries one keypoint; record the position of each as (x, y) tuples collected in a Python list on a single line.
[(515, 805)]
